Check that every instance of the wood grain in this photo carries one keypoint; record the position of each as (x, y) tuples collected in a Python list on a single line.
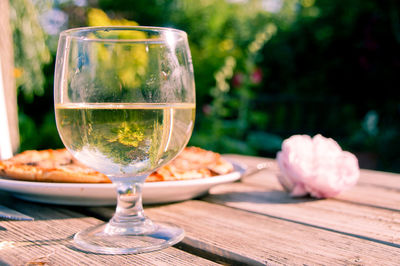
[(374, 188), (264, 239), (365, 222), (48, 239), (370, 210), (252, 222)]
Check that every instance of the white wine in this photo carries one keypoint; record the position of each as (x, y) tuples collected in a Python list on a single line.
[(125, 139)]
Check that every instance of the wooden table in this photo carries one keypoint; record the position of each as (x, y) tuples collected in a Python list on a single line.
[(248, 222)]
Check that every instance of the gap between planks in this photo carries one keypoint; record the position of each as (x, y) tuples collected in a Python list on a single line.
[(374, 189), (188, 244), (264, 239), (48, 240), (372, 223)]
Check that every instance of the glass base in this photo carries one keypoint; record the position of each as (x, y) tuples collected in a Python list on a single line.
[(105, 239)]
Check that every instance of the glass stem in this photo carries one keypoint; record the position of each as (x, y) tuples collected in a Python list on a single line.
[(129, 215)]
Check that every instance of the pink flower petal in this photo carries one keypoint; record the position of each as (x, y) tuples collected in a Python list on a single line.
[(316, 166)]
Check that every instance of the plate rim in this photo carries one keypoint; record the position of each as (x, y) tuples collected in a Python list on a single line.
[(238, 169), (66, 193)]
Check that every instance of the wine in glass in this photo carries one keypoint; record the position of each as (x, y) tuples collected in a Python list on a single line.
[(125, 106)]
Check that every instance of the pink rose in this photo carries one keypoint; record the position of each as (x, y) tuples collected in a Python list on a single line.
[(316, 166)]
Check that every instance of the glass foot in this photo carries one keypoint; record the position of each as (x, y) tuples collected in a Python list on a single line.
[(100, 239)]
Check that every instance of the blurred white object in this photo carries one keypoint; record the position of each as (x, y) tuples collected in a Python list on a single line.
[(9, 133), (273, 6), (5, 134), (54, 21)]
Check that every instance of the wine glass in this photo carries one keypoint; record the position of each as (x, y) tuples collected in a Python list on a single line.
[(125, 106)]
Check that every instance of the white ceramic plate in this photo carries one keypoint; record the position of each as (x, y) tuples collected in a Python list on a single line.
[(104, 194)]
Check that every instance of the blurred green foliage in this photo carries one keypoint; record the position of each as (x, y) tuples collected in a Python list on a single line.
[(30, 49), (268, 69)]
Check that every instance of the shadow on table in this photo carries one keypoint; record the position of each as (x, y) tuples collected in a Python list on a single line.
[(30, 243), (262, 197), (39, 211)]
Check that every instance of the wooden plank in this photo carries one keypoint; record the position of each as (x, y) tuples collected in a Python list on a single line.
[(354, 212), (189, 244), (48, 240), (375, 224), (258, 238), (380, 179), (376, 197), (374, 188), (368, 177)]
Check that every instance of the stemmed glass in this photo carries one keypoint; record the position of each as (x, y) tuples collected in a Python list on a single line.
[(125, 106)]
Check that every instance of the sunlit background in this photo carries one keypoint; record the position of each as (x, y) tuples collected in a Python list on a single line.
[(264, 69)]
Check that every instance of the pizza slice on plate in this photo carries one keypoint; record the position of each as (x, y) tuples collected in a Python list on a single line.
[(60, 166)]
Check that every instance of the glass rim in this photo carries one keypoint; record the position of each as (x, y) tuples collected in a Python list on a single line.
[(69, 32)]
